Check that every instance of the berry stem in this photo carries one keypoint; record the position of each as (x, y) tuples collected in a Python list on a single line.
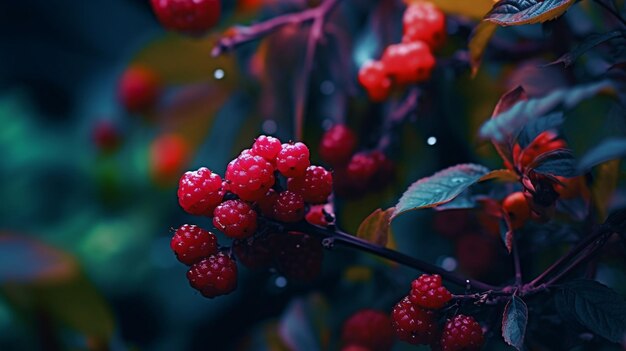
[(517, 263), (302, 84), (245, 34), (397, 116), (598, 238), (339, 237)]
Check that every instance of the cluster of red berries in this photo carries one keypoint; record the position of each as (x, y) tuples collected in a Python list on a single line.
[(410, 61), (415, 319), (355, 172), (367, 330), (251, 188), (192, 17)]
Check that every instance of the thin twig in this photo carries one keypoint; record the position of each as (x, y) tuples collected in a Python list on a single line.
[(517, 263), (336, 236), (398, 115)]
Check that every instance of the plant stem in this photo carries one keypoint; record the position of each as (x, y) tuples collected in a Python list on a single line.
[(517, 263), (342, 238), (398, 115), (581, 246)]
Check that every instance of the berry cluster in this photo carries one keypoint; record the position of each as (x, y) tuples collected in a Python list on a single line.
[(410, 61), (252, 187), (355, 173), (415, 319), (188, 16)]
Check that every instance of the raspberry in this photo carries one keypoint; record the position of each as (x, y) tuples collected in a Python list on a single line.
[(462, 333), (293, 159), (315, 186), (254, 254), (188, 16), (337, 145), (427, 292), (138, 89), (374, 79), (517, 209), (169, 153), (424, 21), (316, 216), (368, 328), (385, 170), (199, 192), (267, 147), (191, 243), (266, 203), (361, 169), (235, 218), (413, 324), (289, 207), (408, 63), (298, 256), (106, 136), (214, 276), (250, 176)]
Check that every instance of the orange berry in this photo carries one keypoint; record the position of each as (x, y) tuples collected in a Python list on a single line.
[(517, 209)]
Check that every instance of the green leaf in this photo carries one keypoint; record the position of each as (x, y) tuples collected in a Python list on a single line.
[(594, 306), (479, 39), (375, 228), (559, 162), (514, 322), (508, 124), (517, 12), (607, 150), (439, 188), (590, 42)]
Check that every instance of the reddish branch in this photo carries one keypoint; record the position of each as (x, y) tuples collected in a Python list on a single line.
[(317, 15)]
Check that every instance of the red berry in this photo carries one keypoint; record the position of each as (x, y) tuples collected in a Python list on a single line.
[(413, 324), (385, 170), (427, 292), (408, 63), (169, 154), (255, 253), (475, 254), (298, 256), (138, 89), (337, 145), (293, 159), (374, 79), (214, 276), (517, 209), (235, 218), (289, 207), (191, 243), (315, 186), (462, 333), (369, 328), (266, 203), (361, 169), (316, 215), (199, 192), (250, 176), (267, 147), (188, 16), (106, 136), (424, 21)]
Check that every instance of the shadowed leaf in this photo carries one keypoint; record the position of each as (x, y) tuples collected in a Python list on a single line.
[(589, 43), (478, 42), (608, 149), (559, 162), (439, 188), (375, 228), (516, 12), (514, 322)]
